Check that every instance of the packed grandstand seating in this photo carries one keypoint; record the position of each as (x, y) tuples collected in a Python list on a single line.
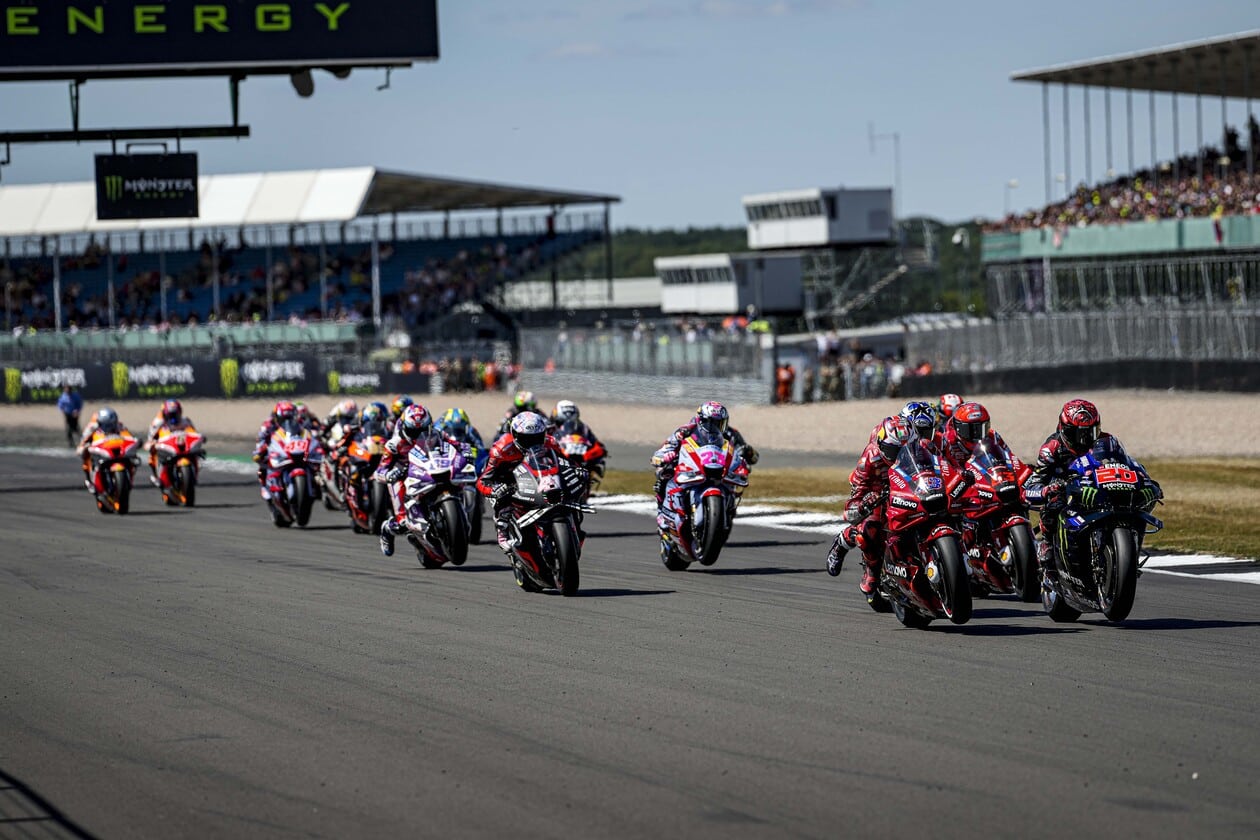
[(1174, 191), (420, 280)]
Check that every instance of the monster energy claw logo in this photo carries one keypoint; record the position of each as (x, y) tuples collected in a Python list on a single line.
[(229, 376), (12, 384), (334, 382), (122, 379), (113, 187)]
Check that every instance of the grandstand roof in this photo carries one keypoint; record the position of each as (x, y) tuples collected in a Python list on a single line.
[(275, 198), (1224, 66)]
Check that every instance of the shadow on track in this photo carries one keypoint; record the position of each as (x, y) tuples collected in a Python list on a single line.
[(760, 570), (1009, 630), (1172, 624), (999, 612), (612, 535), (25, 807), (486, 567), (60, 488), (225, 505), (770, 543), (620, 593)]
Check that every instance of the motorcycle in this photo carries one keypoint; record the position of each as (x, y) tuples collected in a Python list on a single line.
[(546, 514), (701, 500), (590, 455), (114, 461), (928, 579), (179, 453), (997, 535), (1099, 535), (367, 501), (332, 476), (295, 454), (470, 497), (434, 514)]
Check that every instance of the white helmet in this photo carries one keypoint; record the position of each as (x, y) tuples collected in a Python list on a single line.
[(529, 430)]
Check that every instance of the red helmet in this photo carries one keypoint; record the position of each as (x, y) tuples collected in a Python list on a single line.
[(893, 432), (946, 405), (172, 411), (1078, 424), (968, 426), (284, 412)]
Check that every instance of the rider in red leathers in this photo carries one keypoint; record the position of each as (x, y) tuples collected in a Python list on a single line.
[(1077, 432), (169, 416), (526, 431), (868, 495)]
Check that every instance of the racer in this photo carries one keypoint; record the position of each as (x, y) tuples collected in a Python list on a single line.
[(714, 418), (308, 420), (523, 401), (1077, 432), (945, 405), (344, 414), (456, 423), (170, 416), (396, 408), (283, 413), (414, 428), (864, 511), (526, 431), (567, 415), (106, 421), (920, 419)]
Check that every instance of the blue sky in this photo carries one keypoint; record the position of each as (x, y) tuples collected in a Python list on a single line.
[(682, 107)]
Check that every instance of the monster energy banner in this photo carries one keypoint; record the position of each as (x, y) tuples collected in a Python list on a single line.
[(268, 377), (44, 384), (146, 186)]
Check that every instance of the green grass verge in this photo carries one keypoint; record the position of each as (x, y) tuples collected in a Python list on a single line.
[(1210, 505)]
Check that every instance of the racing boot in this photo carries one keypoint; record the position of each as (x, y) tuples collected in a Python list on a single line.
[(503, 529), (844, 542), (870, 579), (390, 528), (1045, 560)]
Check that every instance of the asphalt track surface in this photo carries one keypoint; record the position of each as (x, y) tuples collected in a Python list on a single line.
[(203, 674)]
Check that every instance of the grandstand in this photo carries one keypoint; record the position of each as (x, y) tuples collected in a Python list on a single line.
[(357, 244)]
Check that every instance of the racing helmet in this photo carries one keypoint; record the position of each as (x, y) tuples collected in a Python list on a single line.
[(713, 417), (525, 401), (946, 405), (566, 411), (172, 411), (455, 421), (1078, 424), (400, 405), (303, 412), (920, 417), (892, 435), (107, 420), (415, 422), (346, 410), (284, 412), (373, 418), (529, 430), (968, 426)]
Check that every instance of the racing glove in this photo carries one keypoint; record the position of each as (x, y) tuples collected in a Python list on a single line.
[(752, 456), (396, 473)]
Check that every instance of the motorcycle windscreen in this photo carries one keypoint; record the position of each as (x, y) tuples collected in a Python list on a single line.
[(918, 466), (540, 471)]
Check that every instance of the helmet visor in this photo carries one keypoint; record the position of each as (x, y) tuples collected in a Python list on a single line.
[(526, 441), (1081, 437), (972, 432)]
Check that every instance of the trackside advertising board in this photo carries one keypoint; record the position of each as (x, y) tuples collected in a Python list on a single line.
[(146, 186), (68, 39)]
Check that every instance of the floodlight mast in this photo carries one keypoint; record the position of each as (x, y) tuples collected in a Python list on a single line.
[(895, 136)]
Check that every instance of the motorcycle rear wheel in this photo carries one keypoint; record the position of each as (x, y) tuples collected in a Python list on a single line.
[(566, 568), (955, 586), (910, 618), (674, 561), (474, 525), (379, 508), (1024, 564), (1119, 588), (714, 530)]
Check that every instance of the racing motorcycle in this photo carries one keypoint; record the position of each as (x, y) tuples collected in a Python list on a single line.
[(332, 475), (436, 526), (583, 452), (701, 499), (546, 516), (474, 503), (997, 534), (1100, 532), (295, 454), (179, 453), (367, 501), (927, 579), (114, 461)]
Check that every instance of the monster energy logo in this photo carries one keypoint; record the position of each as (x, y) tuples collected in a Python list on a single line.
[(1088, 494), (122, 379), (334, 382), (113, 187), (230, 376), (12, 384)]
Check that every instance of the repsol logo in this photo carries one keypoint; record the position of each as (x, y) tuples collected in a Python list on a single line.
[(147, 18)]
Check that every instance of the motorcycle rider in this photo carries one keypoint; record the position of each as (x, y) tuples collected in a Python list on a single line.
[(308, 420), (456, 423), (170, 416), (522, 402), (945, 405), (414, 428), (711, 417), (920, 418), (396, 409), (282, 414), (868, 497), (526, 431), (105, 421), (344, 414), (1077, 432)]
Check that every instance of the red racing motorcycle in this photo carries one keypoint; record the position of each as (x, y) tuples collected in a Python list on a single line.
[(925, 576), (546, 514), (997, 534)]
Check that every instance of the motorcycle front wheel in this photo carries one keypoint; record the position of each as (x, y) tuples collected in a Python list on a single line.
[(302, 502), (1118, 587), (954, 586), (714, 530), (566, 559), (186, 481), (456, 536), (1024, 564), (123, 487), (379, 507)]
